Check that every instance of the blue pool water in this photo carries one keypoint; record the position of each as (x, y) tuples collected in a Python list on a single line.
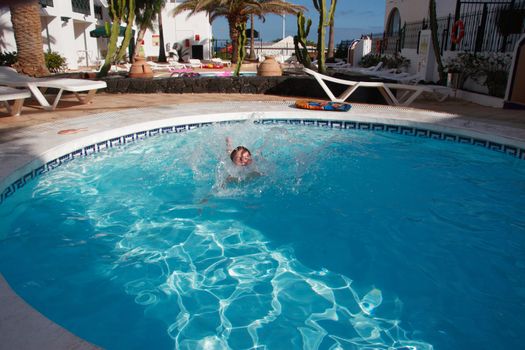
[(348, 240)]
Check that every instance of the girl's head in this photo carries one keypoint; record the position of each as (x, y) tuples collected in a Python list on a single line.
[(241, 156)]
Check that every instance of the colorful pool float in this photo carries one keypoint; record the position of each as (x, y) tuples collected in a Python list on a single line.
[(323, 105), (212, 66)]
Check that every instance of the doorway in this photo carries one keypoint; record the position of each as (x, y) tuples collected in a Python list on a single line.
[(197, 51), (516, 90)]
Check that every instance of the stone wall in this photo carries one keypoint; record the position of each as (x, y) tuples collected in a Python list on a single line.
[(293, 86)]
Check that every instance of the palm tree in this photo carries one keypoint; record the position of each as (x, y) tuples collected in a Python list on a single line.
[(237, 12), (146, 12), (25, 17), (252, 39), (331, 34), (162, 50)]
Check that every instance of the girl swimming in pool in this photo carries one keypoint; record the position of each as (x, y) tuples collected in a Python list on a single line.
[(240, 156)]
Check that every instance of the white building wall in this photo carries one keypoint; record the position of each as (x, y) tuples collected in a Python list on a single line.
[(416, 10), (362, 48), (197, 29), (67, 32), (7, 37), (63, 31)]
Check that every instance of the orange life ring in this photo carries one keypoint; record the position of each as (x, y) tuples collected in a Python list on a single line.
[(458, 32)]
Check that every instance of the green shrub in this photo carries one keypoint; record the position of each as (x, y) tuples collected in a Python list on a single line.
[(342, 49), (54, 62), (490, 69), (395, 61), (370, 60), (8, 58)]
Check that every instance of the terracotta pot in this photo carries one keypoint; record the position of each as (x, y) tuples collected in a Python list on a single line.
[(140, 69), (269, 68)]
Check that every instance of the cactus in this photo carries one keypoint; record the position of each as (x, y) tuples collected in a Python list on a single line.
[(241, 46), (435, 40), (299, 40), (118, 10), (324, 21), (128, 33)]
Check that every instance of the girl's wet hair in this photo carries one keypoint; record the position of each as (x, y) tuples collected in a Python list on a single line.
[(238, 149)]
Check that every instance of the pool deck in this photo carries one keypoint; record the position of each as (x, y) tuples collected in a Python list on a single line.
[(26, 137), (103, 102)]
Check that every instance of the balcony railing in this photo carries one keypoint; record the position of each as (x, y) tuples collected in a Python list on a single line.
[(81, 6)]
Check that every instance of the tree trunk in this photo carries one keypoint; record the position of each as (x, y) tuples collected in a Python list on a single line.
[(331, 39), (27, 28), (234, 35), (138, 43), (128, 34), (321, 34), (252, 40), (162, 49)]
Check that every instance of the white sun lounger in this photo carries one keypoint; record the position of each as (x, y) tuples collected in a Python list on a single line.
[(408, 93), (194, 63), (166, 67), (11, 78), (9, 94), (349, 69), (221, 61)]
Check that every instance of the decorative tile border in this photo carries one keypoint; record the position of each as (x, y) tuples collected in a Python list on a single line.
[(351, 125)]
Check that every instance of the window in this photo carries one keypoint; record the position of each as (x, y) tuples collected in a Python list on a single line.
[(81, 6), (98, 12), (45, 3), (394, 22)]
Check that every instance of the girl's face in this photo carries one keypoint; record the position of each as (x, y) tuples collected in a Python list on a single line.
[(242, 158)]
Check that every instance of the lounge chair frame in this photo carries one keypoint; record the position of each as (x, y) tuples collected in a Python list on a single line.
[(10, 77), (18, 96), (407, 95)]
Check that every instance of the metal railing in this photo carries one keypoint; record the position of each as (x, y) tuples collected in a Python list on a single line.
[(493, 26), (411, 34), (489, 27)]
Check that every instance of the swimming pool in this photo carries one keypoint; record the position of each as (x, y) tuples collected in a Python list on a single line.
[(152, 245)]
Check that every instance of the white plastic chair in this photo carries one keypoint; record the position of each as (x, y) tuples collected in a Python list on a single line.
[(194, 63), (18, 96), (166, 67), (10, 77), (408, 92), (369, 70), (221, 61)]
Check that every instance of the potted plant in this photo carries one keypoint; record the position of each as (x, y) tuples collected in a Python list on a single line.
[(488, 69), (493, 72)]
